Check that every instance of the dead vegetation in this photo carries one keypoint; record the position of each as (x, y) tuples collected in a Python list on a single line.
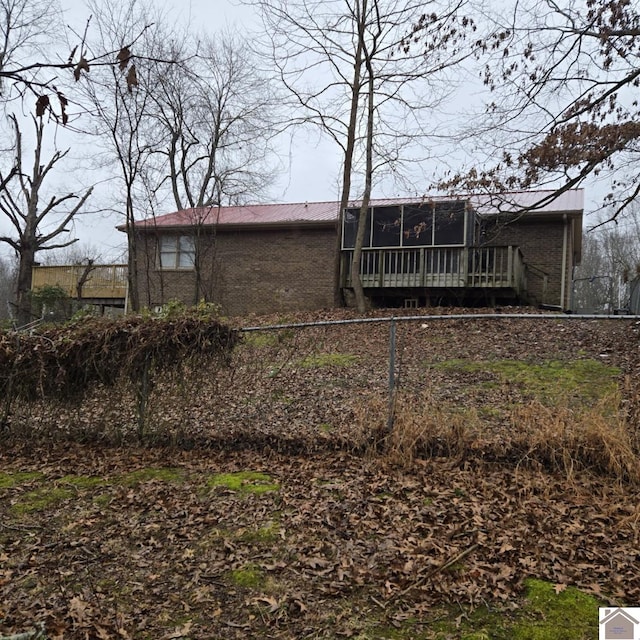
[(505, 460), (562, 395)]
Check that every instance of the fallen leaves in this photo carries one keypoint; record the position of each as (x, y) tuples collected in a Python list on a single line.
[(161, 557)]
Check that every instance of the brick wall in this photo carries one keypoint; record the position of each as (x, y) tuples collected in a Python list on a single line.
[(259, 271), (280, 270), (541, 244)]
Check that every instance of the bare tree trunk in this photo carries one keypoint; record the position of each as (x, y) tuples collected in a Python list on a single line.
[(31, 221), (26, 257), (347, 168), (84, 276), (306, 43), (356, 280), (132, 267)]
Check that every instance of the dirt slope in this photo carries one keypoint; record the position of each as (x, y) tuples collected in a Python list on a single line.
[(274, 516)]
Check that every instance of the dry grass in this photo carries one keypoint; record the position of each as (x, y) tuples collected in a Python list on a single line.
[(420, 427), (569, 440), (322, 390), (559, 438)]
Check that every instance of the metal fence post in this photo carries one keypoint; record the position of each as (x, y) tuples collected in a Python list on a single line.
[(392, 372)]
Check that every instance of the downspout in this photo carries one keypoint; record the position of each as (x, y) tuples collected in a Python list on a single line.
[(563, 282)]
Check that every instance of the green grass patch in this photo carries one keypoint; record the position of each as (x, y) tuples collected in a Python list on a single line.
[(268, 534), (545, 614), (8, 480), (586, 379), (103, 500), (41, 499), (261, 339), (54, 492), (248, 577), (244, 482), (82, 482), (567, 615), (150, 474), (319, 360)]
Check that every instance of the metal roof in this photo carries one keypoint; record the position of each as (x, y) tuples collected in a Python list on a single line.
[(250, 214), (535, 202), (570, 201)]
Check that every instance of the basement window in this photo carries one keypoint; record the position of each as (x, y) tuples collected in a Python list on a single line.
[(177, 252)]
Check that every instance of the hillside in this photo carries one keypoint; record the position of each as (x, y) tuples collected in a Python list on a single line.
[(269, 501)]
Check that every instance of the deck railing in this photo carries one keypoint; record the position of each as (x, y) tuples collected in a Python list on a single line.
[(83, 281), (433, 267)]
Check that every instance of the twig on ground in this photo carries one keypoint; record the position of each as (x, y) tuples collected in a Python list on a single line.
[(433, 572)]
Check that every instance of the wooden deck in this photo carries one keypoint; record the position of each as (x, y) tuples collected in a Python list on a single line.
[(101, 282), (439, 267)]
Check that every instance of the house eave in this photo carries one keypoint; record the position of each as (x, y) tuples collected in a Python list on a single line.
[(240, 226)]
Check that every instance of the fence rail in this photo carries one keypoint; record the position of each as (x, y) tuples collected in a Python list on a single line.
[(394, 320), (83, 281)]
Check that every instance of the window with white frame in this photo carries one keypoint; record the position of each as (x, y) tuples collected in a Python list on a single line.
[(177, 252)]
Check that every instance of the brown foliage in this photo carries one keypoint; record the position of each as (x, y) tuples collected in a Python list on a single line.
[(343, 548), (65, 361), (567, 76)]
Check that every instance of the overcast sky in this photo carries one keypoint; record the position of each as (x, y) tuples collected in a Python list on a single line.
[(314, 162)]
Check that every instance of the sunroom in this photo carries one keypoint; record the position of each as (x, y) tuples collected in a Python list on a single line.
[(420, 250)]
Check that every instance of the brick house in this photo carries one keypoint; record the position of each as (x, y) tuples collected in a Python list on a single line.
[(475, 250)]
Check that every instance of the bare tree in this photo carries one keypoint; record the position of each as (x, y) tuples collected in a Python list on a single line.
[(610, 263), (215, 121), (77, 253), (563, 79), (31, 66), (368, 52), (26, 27), (121, 101), (348, 73), (37, 225)]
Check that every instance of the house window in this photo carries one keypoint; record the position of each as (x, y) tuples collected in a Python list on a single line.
[(449, 224), (177, 252), (350, 222), (417, 225)]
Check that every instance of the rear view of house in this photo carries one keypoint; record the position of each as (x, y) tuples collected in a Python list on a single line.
[(519, 248)]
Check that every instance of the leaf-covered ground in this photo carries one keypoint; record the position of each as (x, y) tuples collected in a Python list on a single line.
[(147, 544), (273, 516)]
